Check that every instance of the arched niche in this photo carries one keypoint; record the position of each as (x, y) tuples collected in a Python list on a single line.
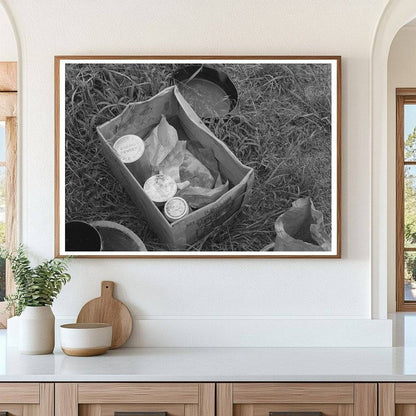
[(396, 14)]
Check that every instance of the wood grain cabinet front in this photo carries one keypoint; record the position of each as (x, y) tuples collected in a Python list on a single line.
[(207, 399), (297, 399), (141, 399), (26, 399), (397, 399)]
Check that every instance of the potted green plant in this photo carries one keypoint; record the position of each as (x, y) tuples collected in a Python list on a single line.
[(36, 289)]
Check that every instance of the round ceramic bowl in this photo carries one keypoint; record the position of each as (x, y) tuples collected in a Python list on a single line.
[(84, 340), (116, 237)]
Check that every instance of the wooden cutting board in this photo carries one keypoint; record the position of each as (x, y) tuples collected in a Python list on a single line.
[(107, 309)]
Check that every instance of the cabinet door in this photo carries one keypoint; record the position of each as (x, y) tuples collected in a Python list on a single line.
[(145, 399), (26, 399), (297, 399), (397, 399)]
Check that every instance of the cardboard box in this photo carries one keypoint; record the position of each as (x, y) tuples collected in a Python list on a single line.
[(139, 119)]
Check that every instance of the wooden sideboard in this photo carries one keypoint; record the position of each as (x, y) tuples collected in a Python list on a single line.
[(208, 399), (153, 399), (27, 399), (264, 399)]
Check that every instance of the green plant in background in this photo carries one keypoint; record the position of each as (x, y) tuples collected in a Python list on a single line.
[(410, 267), (35, 286)]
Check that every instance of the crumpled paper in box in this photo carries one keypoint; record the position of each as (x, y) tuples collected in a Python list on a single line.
[(194, 168)]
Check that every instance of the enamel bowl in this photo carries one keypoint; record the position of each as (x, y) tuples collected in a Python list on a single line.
[(84, 340)]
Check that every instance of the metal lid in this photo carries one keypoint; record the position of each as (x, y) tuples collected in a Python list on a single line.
[(129, 148), (160, 188), (176, 208)]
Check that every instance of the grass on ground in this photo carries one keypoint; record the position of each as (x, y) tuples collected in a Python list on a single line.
[(281, 128)]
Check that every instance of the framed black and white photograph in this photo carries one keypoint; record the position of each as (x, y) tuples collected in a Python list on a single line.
[(198, 156)]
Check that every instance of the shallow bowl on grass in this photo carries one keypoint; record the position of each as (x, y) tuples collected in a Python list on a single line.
[(116, 237), (84, 340), (209, 91)]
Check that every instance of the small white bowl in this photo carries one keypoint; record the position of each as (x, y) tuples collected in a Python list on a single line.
[(84, 340)]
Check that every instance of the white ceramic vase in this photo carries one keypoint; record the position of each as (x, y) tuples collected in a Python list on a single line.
[(13, 331), (37, 330)]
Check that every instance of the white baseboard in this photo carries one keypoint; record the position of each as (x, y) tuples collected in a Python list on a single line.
[(253, 332)]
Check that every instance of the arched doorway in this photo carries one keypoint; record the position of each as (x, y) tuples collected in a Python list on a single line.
[(396, 14)]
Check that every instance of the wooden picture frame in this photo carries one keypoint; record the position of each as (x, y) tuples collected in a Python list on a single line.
[(278, 143)]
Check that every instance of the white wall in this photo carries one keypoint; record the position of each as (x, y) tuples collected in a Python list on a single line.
[(181, 301), (401, 74), (8, 47)]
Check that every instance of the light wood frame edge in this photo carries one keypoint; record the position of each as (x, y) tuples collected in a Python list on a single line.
[(399, 203), (8, 76), (403, 95), (10, 87), (66, 399), (11, 207), (337, 58), (56, 160), (8, 104), (207, 399), (365, 399), (386, 399), (224, 399), (253, 393), (47, 399)]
